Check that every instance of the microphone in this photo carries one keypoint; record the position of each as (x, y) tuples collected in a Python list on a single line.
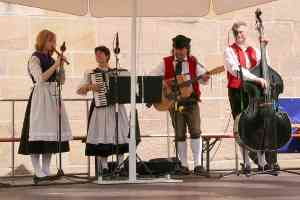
[(59, 54), (61, 71), (117, 48), (258, 13), (63, 47)]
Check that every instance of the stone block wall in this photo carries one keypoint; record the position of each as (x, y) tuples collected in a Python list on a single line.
[(20, 25)]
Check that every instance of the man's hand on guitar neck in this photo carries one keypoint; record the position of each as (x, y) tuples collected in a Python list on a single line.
[(205, 77)]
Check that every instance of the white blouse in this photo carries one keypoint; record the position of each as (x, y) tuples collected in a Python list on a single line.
[(44, 107)]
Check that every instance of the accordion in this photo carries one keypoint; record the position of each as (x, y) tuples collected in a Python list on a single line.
[(102, 97)]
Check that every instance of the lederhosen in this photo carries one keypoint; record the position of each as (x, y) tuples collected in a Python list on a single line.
[(190, 117)]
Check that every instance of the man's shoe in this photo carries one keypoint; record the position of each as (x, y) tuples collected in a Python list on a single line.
[(246, 169), (124, 172), (276, 167), (199, 170), (183, 171), (105, 172)]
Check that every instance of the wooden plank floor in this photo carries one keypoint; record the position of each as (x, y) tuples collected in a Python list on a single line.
[(265, 187)]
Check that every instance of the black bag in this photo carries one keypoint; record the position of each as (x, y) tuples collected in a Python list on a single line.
[(158, 166)]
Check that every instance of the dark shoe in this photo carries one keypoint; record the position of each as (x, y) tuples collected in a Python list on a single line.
[(105, 172), (272, 169), (199, 170), (276, 167), (262, 169), (246, 170), (183, 171), (253, 157), (37, 179), (124, 172)]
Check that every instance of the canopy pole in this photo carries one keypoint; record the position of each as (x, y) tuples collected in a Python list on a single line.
[(132, 143)]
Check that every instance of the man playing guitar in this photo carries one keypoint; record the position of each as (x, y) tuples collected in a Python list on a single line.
[(185, 112)]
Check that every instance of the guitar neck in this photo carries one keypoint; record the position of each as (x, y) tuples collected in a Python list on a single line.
[(189, 82), (214, 71)]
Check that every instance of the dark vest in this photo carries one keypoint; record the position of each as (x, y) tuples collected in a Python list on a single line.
[(46, 61)]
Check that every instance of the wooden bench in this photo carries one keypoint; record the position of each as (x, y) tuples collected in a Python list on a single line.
[(209, 141)]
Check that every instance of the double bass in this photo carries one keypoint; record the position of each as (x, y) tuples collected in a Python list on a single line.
[(262, 126)]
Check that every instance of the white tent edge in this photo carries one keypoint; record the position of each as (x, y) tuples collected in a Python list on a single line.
[(146, 8)]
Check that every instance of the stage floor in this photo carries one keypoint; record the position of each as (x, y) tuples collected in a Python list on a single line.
[(266, 187)]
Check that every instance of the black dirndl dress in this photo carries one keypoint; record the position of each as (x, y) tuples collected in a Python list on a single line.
[(27, 147)]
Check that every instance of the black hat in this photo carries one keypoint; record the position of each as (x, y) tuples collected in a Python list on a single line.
[(180, 41)]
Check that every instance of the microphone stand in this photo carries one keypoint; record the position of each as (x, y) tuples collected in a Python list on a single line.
[(177, 166), (60, 72), (117, 168), (60, 171), (116, 98)]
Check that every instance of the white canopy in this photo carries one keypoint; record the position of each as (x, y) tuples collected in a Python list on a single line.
[(150, 8), (75, 7), (146, 8), (224, 6)]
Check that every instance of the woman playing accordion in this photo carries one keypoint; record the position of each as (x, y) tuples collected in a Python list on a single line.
[(101, 138)]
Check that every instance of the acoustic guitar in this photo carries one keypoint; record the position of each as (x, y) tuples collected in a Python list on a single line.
[(184, 89)]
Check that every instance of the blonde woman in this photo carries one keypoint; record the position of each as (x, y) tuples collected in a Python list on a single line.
[(39, 134)]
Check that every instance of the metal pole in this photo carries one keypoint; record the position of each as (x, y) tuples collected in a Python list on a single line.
[(168, 136), (13, 143), (236, 157), (87, 128), (132, 143)]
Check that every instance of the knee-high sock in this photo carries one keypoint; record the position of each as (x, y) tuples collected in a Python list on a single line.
[(121, 159), (35, 160), (196, 145), (46, 160), (261, 159), (182, 153), (245, 156), (103, 162)]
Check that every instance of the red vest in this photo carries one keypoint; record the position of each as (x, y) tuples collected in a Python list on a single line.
[(234, 82), (170, 71)]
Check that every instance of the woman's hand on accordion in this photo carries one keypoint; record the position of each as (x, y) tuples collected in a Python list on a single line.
[(83, 90), (94, 87)]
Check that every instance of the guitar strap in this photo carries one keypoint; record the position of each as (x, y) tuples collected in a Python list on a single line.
[(178, 71), (178, 68)]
